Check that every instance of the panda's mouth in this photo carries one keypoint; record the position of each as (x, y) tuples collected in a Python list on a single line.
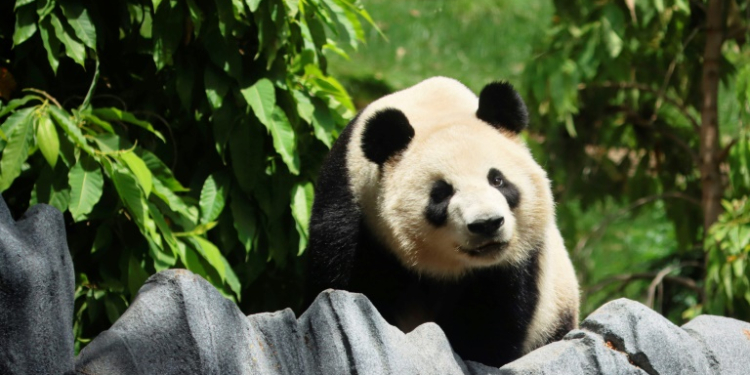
[(487, 250)]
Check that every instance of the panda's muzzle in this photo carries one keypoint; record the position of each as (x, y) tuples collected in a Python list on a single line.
[(486, 250)]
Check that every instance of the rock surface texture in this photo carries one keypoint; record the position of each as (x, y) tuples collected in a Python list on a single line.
[(180, 324)]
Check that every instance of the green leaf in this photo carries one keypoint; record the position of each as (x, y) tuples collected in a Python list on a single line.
[(17, 149), (52, 188), (139, 169), (262, 99), (217, 86), (323, 124), (18, 117), (196, 16), (137, 275), (130, 193), (301, 205), (213, 197), (51, 43), (160, 170), (212, 254), (20, 3), (79, 19), (247, 152), (15, 103), (244, 219), (253, 5), (102, 239), (167, 32), (47, 139), (25, 25), (74, 48), (86, 183), (284, 140), (70, 128), (115, 114)]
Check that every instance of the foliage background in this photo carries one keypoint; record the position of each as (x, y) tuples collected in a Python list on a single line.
[(189, 133)]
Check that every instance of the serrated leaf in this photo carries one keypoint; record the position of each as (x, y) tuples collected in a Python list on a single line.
[(284, 140), (301, 205), (74, 48), (86, 182), (244, 219), (115, 114), (213, 197), (47, 139), (50, 42), (262, 99), (25, 25), (79, 19), (139, 169), (17, 149)]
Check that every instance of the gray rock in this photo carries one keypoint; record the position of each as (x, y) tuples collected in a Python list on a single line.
[(180, 324), (725, 343), (36, 293)]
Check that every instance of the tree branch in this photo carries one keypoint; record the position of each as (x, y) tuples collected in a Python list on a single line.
[(661, 275), (640, 121), (643, 87), (637, 203)]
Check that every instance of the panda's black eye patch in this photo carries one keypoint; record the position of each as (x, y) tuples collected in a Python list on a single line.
[(508, 189), (437, 208), (440, 191)]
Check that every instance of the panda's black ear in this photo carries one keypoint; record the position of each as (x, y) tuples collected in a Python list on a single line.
[(386, 133), (502, 107)]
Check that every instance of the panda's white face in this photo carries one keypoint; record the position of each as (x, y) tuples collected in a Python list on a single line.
[(462, 197)]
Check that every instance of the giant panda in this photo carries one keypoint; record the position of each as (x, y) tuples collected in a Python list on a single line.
[(431, 205)]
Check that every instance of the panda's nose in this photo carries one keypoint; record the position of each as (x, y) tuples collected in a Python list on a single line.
[(486, 227)]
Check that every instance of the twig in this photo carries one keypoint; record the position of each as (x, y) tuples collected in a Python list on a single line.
[(87, 99), (637, 203), (640, 86), (660, 278), (670, 71), (649, 124), (725, 152), (46, 95)]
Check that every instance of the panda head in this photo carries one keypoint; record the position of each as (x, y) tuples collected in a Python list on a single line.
[(451, 187)]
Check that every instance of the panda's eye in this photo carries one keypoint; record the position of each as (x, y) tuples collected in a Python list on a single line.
[(440, 191), (496, 178)]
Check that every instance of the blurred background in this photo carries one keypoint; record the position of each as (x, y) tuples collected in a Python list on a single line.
[(189, 133)]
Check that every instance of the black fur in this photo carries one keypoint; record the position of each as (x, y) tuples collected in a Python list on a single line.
[(565, 324), (508, 189), (335, 224), (485, 314), (437, 208), (386, 133), (502, 107)]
